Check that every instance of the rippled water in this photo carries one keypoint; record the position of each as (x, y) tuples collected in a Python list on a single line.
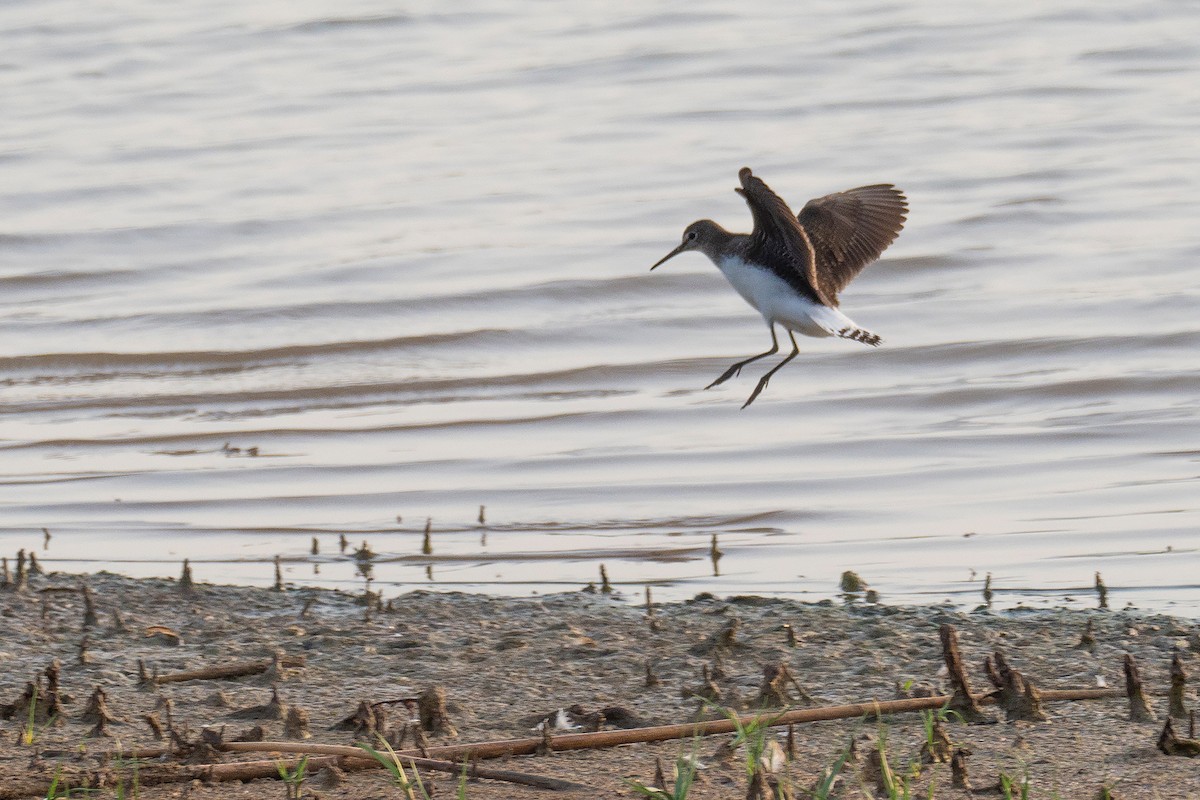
[(403, 253)]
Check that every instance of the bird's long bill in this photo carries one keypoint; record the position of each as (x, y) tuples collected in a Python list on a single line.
[(669, 256)]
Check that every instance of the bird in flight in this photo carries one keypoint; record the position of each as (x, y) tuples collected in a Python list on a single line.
[(791, 267)]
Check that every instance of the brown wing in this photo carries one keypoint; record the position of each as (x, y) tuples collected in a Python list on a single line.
[(848, 230), (778, 238)]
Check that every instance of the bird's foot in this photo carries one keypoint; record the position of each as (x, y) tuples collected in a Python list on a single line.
[(762, 384), (736, 369)]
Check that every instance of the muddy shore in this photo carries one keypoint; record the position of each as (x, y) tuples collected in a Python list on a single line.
[(505, 664)]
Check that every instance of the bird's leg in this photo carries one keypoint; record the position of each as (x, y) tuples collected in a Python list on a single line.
[(736, 368), (762, 382)]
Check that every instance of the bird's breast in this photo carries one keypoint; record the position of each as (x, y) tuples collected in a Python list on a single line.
[(774, 298)]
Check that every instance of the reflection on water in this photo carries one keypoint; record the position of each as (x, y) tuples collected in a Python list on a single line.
[(285, 272)]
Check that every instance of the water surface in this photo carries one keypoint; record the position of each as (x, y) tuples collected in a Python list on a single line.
[(403, 254)]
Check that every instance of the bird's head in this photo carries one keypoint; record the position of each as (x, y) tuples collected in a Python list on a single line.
[(703, 235)]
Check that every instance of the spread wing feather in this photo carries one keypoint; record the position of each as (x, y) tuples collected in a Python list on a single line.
[(848, 230), (832, 239)]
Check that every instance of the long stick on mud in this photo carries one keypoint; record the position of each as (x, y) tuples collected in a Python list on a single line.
[(658, 733), (159, 774), (225, 671), (336, 753), (583, 741)]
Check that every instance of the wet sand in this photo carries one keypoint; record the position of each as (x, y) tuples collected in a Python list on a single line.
[(505, 663)]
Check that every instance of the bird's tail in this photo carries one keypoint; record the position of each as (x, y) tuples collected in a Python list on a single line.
[(860, 335), (836, 323)]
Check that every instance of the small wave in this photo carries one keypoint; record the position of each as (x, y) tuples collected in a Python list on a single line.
[(339, 23), (172, 361), (64, 280)]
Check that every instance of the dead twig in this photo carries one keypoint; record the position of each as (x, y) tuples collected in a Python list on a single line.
[(963, 701), (1179, 678), (357, 754), (1019, 698), (239, 670), (1174, 745), (1139, 706)]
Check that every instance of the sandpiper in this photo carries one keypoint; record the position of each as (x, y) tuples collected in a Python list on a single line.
[(791, 267)]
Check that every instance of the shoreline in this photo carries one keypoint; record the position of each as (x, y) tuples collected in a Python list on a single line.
[(506, 663)]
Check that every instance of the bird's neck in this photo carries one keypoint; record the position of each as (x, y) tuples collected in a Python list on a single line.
[(720, 244)]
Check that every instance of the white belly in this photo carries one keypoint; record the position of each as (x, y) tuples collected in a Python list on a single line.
[(779, 303)]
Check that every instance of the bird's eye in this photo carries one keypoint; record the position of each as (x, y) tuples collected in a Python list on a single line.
[(691, 235)]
